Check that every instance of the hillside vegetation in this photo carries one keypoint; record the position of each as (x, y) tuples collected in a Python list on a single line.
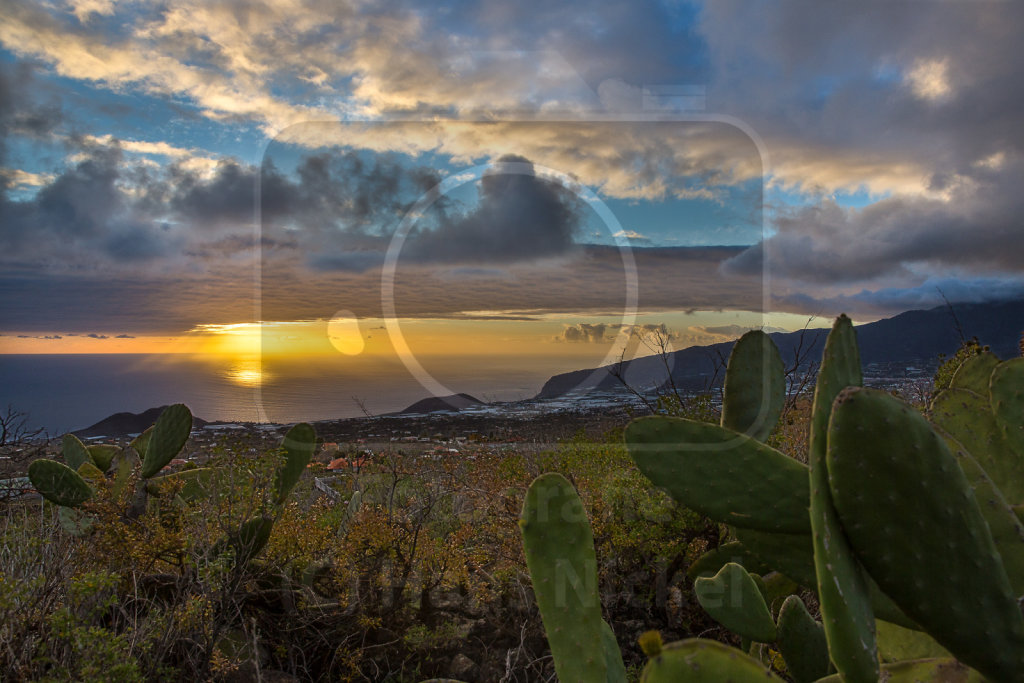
[(695, 526)]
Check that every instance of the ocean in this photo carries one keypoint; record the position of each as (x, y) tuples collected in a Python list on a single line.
[(61, 393)]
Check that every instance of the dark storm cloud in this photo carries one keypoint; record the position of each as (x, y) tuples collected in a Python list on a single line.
[(339, 210), (972, 229), (520, 216)]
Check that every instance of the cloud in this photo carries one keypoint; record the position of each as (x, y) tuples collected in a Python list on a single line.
[(648, 333), (584, 332), (890, 300), (519, 216), (93, 335), (169, 301), (899, 238)]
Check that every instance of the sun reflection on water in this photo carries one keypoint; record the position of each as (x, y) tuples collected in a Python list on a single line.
[(246, 372)]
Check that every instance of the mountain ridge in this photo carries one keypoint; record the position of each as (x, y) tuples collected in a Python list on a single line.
[(913, 337)]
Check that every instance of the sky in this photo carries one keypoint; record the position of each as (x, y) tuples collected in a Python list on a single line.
[(481, 178)]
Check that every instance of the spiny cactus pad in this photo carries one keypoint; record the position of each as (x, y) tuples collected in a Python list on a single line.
[(189, 484), (74, 521), (251, 538), (790, 554), (923, 671), (704, 661), (141, 442), (802, 642), (102, 455), (559, 545), (908, 511), (58, 483), (1006, 391), (299, 444), (74, 451), (1007, 529), (91, 473), (898, 644), (968, 418), (710, 562), (616, 669), (755, 386), (727, 476), (169, 436), (793, 556), (974, 373), (733, 599), (843, 594)]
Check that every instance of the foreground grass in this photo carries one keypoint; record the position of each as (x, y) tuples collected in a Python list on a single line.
[(424, 576)]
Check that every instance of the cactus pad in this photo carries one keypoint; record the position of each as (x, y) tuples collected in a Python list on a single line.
[(974, 373), (846, 613), (923, 671), (727, 476), (189, 484), (102, 455), (968, 418), (704, 661), (790, 554), (802, 642), (299, 444), (559, 545), (168, 437), (251, 538), (616, 669), (74, 521), (141, 442), (898, 644), (58, 483), (710, 562), (908, 509), (74, 451), (1007, 396), (734, 600), (755, 386), (1007, 529)]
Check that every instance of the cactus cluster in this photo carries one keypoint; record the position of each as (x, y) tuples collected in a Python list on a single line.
[(73, 484), (907, 530)]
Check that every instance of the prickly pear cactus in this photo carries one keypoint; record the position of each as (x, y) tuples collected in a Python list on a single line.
[(713, 560), (802, 642), (141, 442), (559, 545), (74, 451), (299, 444), (167, 439), (923, 671), (846, 612), (704, 661), (188, 484), (58, 483), (974, 373), (727, 476), (755, 386), (102, 455), (734, 600), (251, 538), (908, 509), (1007, 397), (968, 418), (615, 668)]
